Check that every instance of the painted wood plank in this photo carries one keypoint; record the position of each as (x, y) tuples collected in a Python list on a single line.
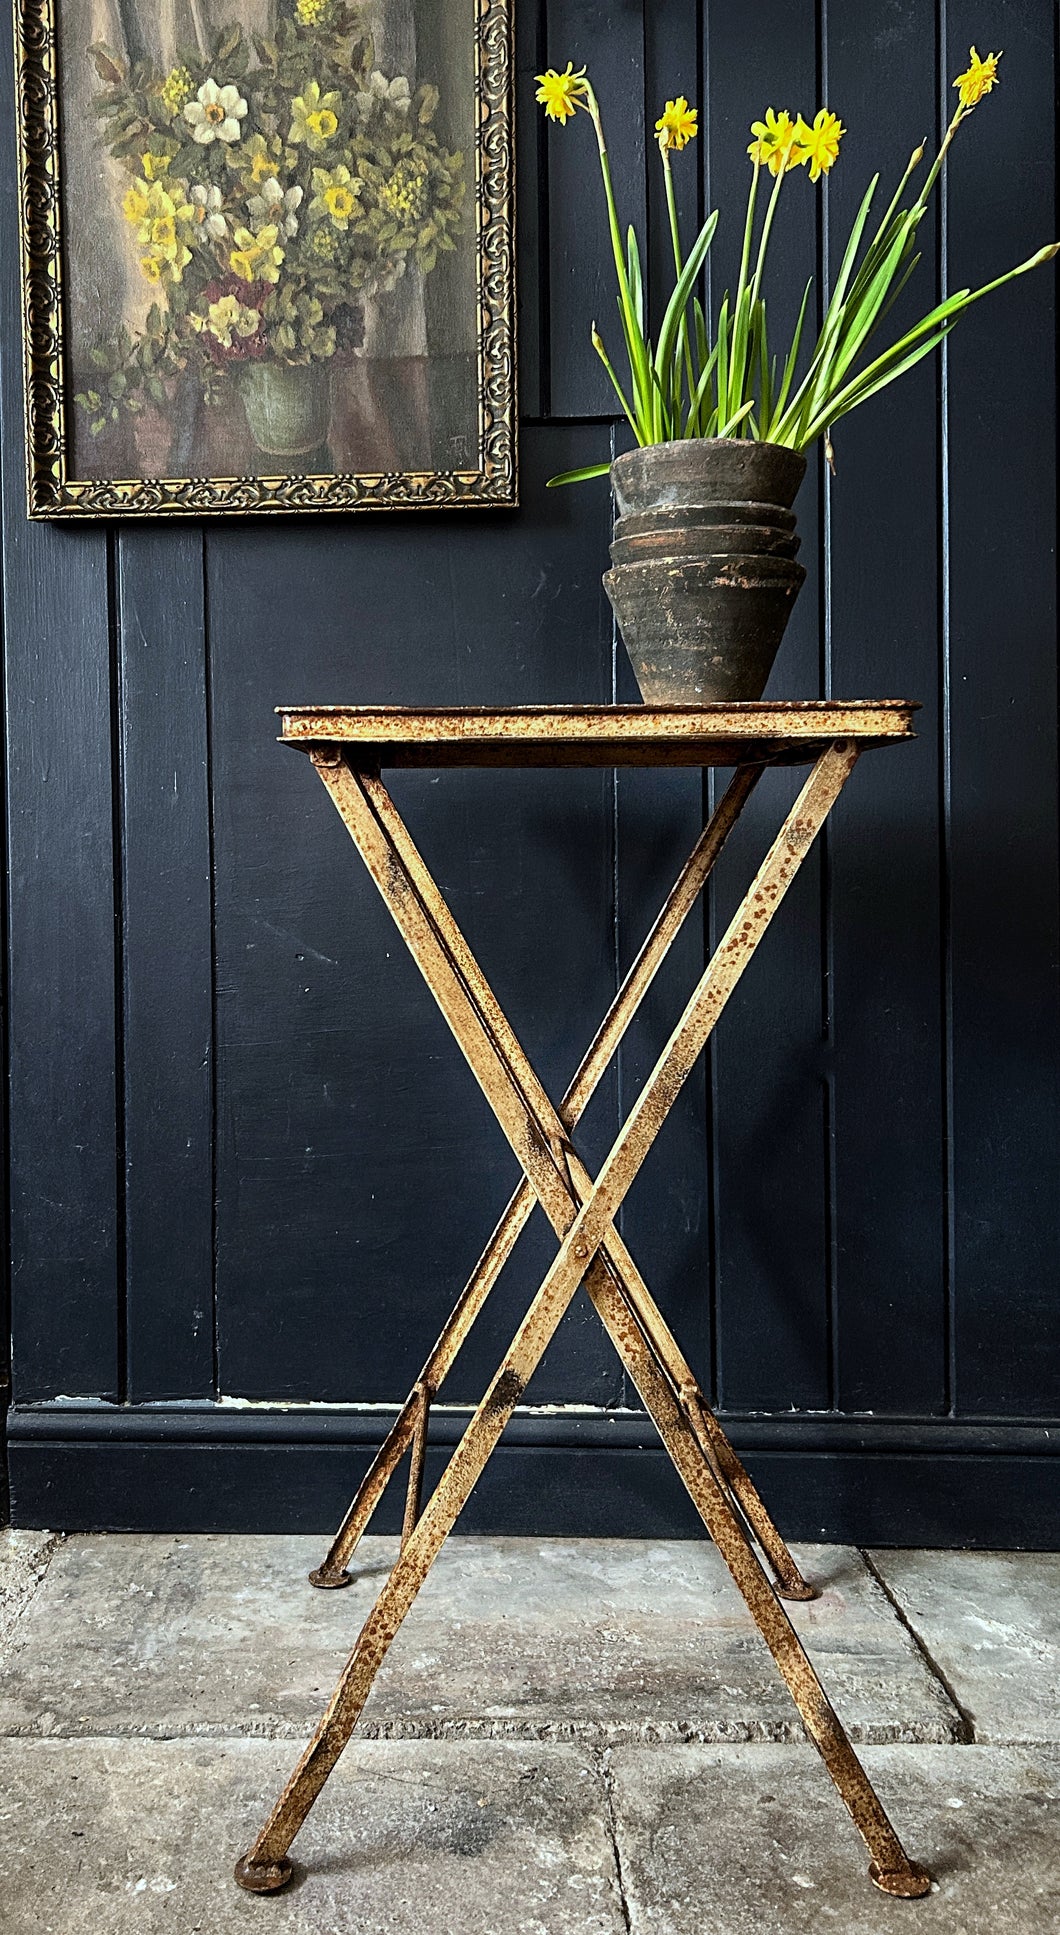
[(65, 1238), (359, 1169), (768, 1127), (607, 36), (532, 279), (1002, 777), (886, 1126), (166, 914)]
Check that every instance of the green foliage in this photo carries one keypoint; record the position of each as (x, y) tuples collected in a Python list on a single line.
[(690, 385)]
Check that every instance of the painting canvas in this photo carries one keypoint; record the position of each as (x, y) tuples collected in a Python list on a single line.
[(267, 254)]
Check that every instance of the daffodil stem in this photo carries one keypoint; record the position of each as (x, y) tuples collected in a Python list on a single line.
[(936, 165), (671, 203), (679, 263), (748, 230), (638, 358), (766, 226)]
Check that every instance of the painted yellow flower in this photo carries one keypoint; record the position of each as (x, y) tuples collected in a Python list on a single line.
[(405, 195), (314, 117), (152, 269), (678, 124), (165, 224), (227, 318), (136, 205), (155, 166), (177, 88), (774, 144), (335, 195), (256, 258), (256, 160), (310, 11), (818, 145), (561, 94), (979, 79)]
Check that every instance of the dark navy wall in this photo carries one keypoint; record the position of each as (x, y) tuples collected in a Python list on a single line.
[(248, 1169)]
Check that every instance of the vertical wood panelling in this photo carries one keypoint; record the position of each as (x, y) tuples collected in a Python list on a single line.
[(884, 840), (61, 918), (1002, 642), (609, 36), (530, 190), (853, 1205), (359, 1169), (772, 1234), (659, 815), (167, 936)]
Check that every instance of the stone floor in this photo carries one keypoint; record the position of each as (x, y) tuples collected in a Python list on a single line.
[(569, 1737)]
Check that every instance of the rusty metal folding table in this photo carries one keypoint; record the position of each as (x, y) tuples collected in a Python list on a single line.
[(349, 747)]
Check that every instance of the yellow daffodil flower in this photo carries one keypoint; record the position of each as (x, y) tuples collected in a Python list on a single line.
[(152, 269), (979, 79), (774, 144), (677, 125), (165, 223), (314, 117), (561, 94), (256, 160), (335, 195), (819, 145)]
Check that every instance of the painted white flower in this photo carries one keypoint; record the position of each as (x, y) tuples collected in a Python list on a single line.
[(207, 203), (215, 113), (273, 204), (395, 93)]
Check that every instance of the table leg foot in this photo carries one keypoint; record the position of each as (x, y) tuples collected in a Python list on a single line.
[(328, 1580), (797, 1589), (263, 1877), (910, 1883)]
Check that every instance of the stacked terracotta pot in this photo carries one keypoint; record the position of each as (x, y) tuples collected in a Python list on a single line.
[(704, 571)]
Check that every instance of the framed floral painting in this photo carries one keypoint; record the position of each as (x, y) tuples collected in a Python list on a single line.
[(267, 254)]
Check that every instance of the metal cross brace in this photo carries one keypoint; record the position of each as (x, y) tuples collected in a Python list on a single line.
[(582, 1214)]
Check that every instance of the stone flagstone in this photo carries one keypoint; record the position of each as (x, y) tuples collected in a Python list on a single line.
[(990, 1622), (589, 1639), (130, 1837), (754, 1840)]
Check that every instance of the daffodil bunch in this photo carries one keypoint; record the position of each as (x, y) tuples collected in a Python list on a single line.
[(695, 381)]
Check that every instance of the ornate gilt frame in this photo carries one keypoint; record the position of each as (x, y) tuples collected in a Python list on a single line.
[(51, 493)]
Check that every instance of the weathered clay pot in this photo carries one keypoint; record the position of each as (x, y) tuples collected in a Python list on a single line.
[(704, 573)]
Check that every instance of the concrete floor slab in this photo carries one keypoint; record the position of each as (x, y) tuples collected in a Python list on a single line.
[(989, 1621), (122, 1837), (753, 1839), (590, 1639)]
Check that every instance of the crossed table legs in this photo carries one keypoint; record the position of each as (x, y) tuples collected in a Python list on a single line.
[(590, 1249)]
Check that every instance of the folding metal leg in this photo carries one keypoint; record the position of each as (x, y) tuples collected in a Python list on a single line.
[(332, 1573), (582, 1213)]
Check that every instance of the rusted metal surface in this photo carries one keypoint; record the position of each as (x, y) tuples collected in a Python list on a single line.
[(711, 735), (421, 1413), (678, 905), (582, 1213)]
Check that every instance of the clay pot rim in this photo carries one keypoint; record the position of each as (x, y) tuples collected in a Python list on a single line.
[(770, 568), (709, 513)]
